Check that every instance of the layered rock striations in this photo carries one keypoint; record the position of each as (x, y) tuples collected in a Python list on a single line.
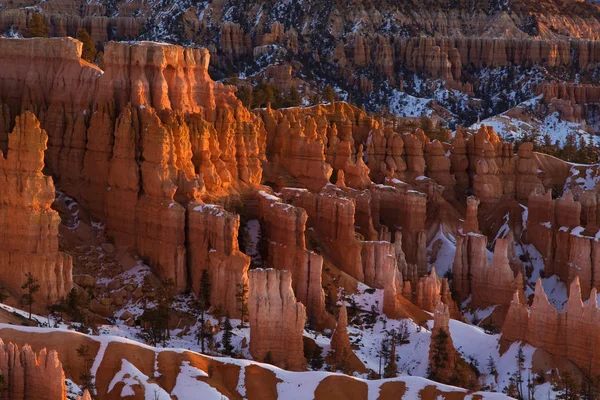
[(568, 249), (130, 143), (284, 227), (28, 225), (569, 334), (212, 243), (474, 276), (276, 319), (29, 376)]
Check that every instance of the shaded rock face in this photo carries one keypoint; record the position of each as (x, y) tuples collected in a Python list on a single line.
[(570, 334), (213, 245), (285, 229), (29, 376), (556, 229), (432, 290), (372, 262), (28, 226), (473, 275), (276, 319)]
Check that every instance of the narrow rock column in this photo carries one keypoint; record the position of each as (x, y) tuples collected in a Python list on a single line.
[(276, 319)]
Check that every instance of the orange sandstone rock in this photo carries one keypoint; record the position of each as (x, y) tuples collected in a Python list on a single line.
[(29, 376), (28, 225), (276, 319)]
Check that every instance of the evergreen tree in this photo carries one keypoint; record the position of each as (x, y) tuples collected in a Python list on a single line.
[(391, 368), (344, 364), (440, 353), (384, 353), (75, 301), (86, 376), (566, 387), (491, 365), (519, 372), (227, 336), (156, 319), (205, 286), (294, 99), (241, 297), (316, 360), (590, 385), (32, 286), (88, 53), (203, 333), (329, 94), (244, 93), (37, 27), (201, 305)]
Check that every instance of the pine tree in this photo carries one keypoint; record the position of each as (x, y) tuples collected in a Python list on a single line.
[(241, 298), (203, 333), (37, 27), (391, 368), (31, 285), (205, 286), (566, 387), (294, 98), (86, 376), (201, 305), (316, 361), (491, 365), (440, 353), (384, 353), (244, 93), (88, 53), (227, 336), (156, 319), (329, 94), (519, 373)]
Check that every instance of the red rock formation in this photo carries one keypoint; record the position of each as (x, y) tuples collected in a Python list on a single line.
[(157, 120), (569, 334), (28, 226), (333, 219), (527, 170), (428, 291), (414, 145), (29, 376), (340, 342), (212, 243), (276, 319), (438, 165), (471, 223), (567, 248), (487, 186), (285, 228), (473, 275), (459, 161), (431, 290)]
